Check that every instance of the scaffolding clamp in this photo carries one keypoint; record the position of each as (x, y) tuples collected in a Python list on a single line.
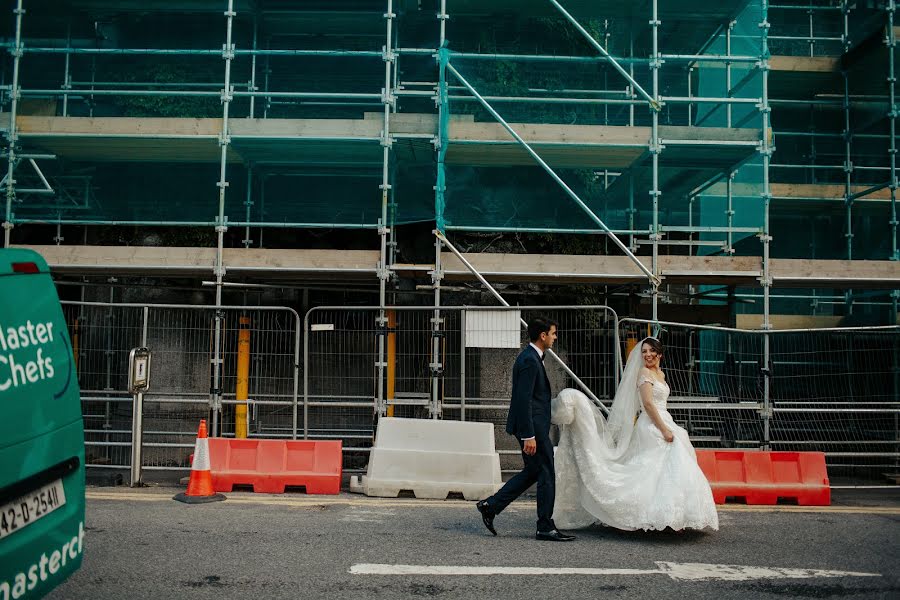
[(388, 98), (382, 272)]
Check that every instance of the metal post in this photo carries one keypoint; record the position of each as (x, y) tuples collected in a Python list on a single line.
[(137, 435), (137, 417), (297, 383), (305, 380), (221, 227), (242, 383), (462, 364), (12, 135)]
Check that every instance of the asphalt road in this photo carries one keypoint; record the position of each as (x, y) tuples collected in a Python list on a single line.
[(141, 544)]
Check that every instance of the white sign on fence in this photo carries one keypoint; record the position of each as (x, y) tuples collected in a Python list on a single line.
[(493, 329)]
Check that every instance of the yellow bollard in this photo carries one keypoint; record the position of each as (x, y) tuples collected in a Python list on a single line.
[(391, 359), (243, 379), (630, 343)]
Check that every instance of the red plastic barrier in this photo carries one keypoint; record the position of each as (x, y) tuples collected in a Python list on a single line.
[(760, 477), (271, 465)]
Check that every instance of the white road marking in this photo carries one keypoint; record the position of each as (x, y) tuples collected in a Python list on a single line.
[(358, 515), (676, 571)]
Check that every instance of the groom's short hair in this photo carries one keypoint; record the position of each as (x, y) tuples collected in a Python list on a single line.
[(539, 325)]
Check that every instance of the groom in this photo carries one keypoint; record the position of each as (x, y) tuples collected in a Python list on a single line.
[(529, 421)]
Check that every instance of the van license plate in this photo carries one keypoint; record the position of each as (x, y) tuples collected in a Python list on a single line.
[(32, 506)]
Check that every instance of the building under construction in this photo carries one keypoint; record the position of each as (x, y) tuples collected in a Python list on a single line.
[(731, 165)]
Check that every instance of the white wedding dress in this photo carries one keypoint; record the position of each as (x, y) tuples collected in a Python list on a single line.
[(622, 472)]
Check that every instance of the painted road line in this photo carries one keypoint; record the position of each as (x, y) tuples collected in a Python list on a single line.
[(319, 501), (676, 571)]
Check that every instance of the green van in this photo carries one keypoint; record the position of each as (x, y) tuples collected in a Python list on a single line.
[(41, 433)]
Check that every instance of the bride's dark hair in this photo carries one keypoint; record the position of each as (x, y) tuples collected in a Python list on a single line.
[(654, 344)]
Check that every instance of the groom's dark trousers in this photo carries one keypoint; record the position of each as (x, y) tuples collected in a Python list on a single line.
[(529, 416)]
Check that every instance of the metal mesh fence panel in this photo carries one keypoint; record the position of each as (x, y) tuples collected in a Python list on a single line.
[(339, 379), (102, 336), (835, 391), (182, 342), (456, 368)]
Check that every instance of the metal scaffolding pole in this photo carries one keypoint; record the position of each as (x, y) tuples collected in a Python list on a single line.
[(221, 227), (655, 149), (440, 188), (248, 203), (67, 78), (252, 85), (383, 230), (728, 33), (848, 167), (765, 150), (12, 136), (892, 116)]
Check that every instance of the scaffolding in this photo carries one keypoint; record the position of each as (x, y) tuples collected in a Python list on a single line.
[(657, 120)]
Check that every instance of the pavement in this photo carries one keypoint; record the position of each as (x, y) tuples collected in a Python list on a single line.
[(142, 544)]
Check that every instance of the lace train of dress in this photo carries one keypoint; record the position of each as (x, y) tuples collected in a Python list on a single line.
[(652, 484)]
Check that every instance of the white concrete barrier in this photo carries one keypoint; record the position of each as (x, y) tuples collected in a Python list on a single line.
[(431, 458)]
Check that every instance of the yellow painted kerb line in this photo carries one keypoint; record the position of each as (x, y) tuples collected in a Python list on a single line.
[(325, 501)]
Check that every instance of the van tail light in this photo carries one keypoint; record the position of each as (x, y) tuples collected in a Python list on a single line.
[(25, 267)]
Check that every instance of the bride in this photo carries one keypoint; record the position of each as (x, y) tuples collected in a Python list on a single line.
[(626, 473)]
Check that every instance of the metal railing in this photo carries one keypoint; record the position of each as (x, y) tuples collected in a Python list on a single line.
[(833, 390)]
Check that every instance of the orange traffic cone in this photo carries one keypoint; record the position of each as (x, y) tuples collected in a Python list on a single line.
[(200, 486)]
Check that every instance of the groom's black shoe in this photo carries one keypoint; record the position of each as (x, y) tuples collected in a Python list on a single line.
[(554, 535), (487, 515)]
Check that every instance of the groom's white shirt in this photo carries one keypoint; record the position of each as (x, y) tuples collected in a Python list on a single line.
[(541, 354)]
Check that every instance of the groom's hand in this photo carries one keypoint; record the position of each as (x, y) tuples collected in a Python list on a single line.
[(530, 447)]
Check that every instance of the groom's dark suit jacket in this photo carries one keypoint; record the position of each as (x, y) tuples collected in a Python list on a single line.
[(529, 410)]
